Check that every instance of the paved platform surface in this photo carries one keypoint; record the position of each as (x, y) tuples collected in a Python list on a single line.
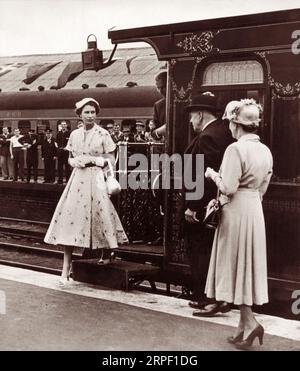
[(35, 314)]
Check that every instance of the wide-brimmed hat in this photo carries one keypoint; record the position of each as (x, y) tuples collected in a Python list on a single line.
[(83, 102), (205, 101), (248, 113)]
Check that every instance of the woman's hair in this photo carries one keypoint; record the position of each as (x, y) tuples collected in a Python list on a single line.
[(248, 128), (90, 103)]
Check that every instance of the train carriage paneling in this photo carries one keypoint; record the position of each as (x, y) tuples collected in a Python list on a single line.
[(237, 57)]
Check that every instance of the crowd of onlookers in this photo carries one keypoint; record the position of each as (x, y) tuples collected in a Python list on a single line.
[(19, 150)]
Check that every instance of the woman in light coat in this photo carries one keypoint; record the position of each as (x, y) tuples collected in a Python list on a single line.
[(238, 267), (85, 216)]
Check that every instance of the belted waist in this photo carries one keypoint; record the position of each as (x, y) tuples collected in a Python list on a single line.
[(90, 164)]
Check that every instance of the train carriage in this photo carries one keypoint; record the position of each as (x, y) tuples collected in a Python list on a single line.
[(38, 110), (246, 56)]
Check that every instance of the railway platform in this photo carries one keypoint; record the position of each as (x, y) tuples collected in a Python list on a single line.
[(36, 314)]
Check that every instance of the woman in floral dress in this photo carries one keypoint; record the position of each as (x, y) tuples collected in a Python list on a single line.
[(85, 216)]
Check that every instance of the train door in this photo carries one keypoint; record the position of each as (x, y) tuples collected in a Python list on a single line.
[(235, 80)]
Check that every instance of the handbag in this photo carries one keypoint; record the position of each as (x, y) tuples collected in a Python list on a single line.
[(213, 213), (113, 187)]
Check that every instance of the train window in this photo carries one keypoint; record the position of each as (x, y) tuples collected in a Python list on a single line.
[(24, 126), (233, 73), (128, 124), (41, 126), (104, 122), (5, 124), (58, 127), (235, 80)]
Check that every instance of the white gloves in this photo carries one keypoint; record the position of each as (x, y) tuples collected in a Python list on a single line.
[(77, 162), (210, 173), (81, 161), (100, 161)]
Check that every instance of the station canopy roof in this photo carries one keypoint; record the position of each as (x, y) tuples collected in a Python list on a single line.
[(132, 65)]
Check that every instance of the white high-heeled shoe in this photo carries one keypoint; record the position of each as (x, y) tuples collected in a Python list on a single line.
[(65, 281)]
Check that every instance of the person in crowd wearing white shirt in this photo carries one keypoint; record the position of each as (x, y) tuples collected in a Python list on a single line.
[(17, 154)]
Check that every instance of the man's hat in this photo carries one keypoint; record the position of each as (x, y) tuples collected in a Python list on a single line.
[(48, 130), (140, 123), (110, 125), (85, 101), (205, 101)]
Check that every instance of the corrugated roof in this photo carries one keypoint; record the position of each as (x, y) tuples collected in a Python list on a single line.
[(139, 65)]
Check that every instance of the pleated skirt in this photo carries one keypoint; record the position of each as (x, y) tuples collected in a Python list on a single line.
[(238, 265)]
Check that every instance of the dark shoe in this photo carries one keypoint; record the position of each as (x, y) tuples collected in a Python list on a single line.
[(224, 307), (258, 332), (198, 304), (235, 339), (194, 305), (212, 309)]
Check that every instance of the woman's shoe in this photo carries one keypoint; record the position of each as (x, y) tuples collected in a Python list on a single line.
[(112, 257), (65, 281), (235, 339), (101, 260), (247, 343)]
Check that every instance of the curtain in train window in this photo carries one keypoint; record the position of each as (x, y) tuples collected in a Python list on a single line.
[(286, 139), (233, 73)]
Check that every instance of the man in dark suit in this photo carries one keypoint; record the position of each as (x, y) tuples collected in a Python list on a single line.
[(31, 140), (49, 152), (159, 108), (62, 154), (213, 137)]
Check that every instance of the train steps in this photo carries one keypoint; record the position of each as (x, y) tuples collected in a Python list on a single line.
[(118, 274)]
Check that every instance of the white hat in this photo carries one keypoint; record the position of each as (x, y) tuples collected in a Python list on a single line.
[(248, 113), (230, 108), (85, 101)]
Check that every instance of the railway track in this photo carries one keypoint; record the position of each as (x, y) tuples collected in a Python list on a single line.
[(22, 246)]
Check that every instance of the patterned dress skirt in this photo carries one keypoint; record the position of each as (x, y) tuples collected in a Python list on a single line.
[(85, 216), (238, 267)]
